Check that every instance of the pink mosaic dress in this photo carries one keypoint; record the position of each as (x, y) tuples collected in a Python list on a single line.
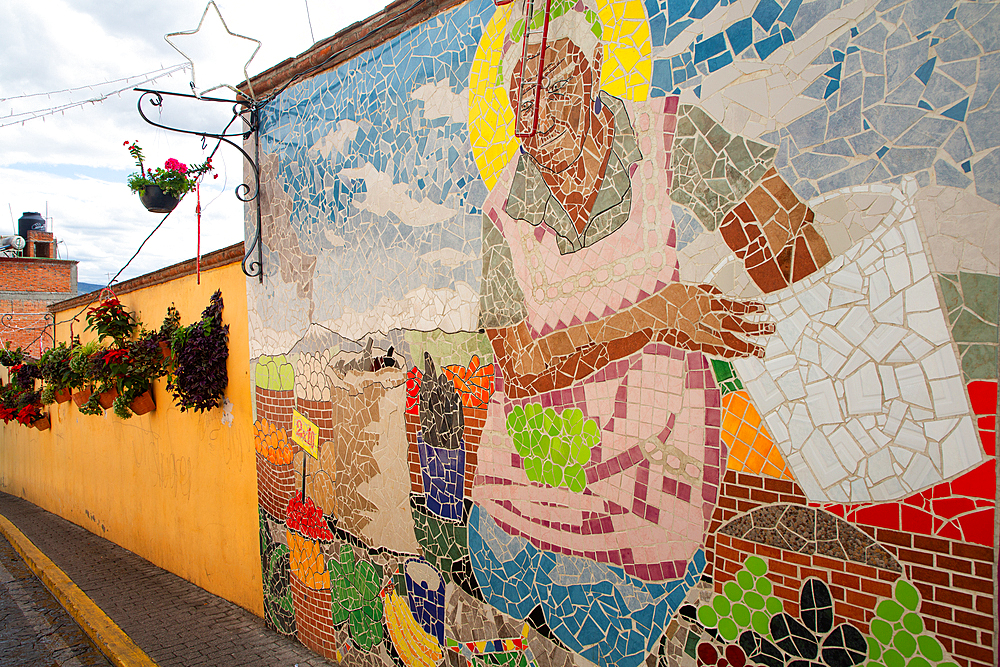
[(652, 480)]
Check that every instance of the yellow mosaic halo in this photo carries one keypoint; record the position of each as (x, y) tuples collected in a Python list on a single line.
[(627, 71)]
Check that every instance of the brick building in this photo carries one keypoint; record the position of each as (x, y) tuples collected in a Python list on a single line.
[(28, 284)]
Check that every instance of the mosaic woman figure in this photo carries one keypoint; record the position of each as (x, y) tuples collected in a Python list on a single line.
[(591, 329)]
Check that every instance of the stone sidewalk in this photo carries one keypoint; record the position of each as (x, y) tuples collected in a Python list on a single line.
[(173, 621)]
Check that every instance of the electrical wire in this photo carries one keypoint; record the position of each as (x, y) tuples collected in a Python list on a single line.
[(312, 35)]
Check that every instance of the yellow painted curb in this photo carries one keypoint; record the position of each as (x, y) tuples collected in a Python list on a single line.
[(105, 633)]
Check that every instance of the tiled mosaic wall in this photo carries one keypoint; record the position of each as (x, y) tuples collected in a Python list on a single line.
[(696, 366)]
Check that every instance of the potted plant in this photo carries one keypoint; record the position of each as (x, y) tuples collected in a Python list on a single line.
[(107, 367), (10, 356), (171, 323), (162, 188), (198, 375), (109, 319), (80, 364), (9, 395), (31, 414), (134, 378), (23, 406), (25, 373), (59, 379)]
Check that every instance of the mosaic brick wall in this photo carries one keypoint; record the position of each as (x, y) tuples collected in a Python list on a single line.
[(670, 343)]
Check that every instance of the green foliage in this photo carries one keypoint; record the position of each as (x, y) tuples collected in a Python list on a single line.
[(57, 374), (9, 356), (109, 319), (92, 406)]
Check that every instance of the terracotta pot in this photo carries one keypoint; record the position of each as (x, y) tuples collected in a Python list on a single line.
[(81, 396), (42, 424), (108, 397), (63, 395), (165, 350), (143, 403)]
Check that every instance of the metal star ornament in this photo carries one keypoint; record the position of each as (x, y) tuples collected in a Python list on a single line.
[(219, 52)]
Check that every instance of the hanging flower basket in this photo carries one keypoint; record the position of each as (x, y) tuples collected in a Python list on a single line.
[(143, 403), (161, 189), (63, 395), (157, 201)]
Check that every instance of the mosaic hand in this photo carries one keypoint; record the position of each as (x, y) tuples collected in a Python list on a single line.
[(699, 318)]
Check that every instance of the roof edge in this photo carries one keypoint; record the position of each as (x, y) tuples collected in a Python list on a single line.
[(212, 260), (348, 43)]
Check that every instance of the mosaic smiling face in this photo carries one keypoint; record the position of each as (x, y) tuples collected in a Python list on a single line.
[(703, 372), (565, 94)]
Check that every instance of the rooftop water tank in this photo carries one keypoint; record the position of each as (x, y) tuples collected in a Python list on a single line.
[(30, 221)]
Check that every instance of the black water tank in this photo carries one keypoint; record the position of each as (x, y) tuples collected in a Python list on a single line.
[(30, 221)]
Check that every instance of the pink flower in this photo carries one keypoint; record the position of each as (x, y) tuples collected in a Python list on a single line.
[(175, 165)]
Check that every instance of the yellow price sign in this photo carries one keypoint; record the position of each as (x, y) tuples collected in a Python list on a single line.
[(305, 434)]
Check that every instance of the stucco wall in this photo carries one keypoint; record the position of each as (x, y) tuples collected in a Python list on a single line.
[(176, 488)]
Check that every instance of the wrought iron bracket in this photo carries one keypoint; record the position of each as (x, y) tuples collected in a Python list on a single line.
[(48, 322), (248, 112)]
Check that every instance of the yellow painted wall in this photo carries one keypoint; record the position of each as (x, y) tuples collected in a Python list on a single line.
[(179, 489)]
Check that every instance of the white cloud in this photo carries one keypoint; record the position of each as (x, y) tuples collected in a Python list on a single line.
[(441, 102), (447, 257), (337, 139), (388, 196)]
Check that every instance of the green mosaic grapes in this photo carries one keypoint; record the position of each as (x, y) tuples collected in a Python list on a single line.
[(744, 604), (897, 637), (554, 447)]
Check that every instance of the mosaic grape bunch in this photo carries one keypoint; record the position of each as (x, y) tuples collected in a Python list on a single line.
[(554, 447), (898, 633), (747, 603), (748, 616)]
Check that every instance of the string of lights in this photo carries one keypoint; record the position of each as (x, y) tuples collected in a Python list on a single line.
[(13, 118), (156, 72)]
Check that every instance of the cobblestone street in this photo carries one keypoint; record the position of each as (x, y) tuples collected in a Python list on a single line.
[(34, 628)]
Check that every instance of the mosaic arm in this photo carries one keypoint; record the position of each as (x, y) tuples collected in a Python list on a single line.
[(688, 316)]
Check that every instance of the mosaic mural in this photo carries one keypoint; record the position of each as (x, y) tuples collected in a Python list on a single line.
[(636, 332)]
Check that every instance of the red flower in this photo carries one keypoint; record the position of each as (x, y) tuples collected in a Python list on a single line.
[(115, 356), (175, 165), (29, 414)]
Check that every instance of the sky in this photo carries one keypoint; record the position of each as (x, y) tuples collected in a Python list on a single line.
[(72, 165)]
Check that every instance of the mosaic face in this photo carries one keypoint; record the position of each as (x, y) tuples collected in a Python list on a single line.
[(701, 372), (564, 101)]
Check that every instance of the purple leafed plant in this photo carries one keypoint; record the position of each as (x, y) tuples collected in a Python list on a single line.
[(200, 351)]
